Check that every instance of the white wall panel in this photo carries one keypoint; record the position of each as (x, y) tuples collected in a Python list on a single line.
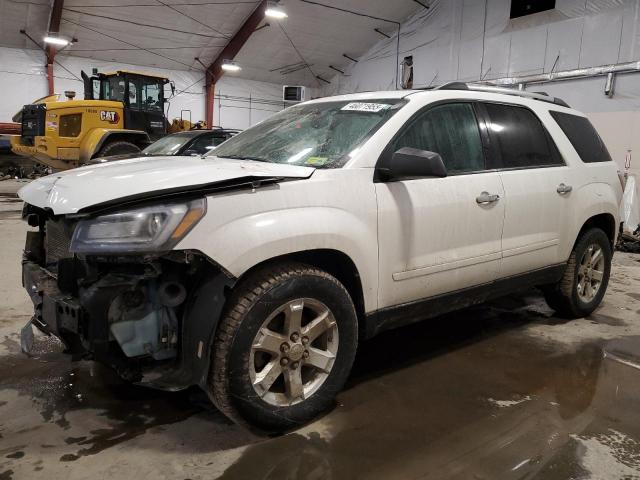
[(601, 38), (455, 38), (241, 103), (597, 6), (438, 42), (563, 43), (527, 52), (376, 71), (471, 40), (496, 56), (620, 131), (497, 41), (630, 40), (572, 8), (588, 94), (497, 19), (22, 79)]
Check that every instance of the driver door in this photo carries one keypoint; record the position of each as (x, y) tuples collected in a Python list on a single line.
[(435, 234)]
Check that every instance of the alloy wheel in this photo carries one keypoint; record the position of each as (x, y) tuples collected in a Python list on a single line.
[(590, 273), (293, 352)]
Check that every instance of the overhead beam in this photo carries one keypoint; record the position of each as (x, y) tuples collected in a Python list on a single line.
[(229, 52), (54, 27)]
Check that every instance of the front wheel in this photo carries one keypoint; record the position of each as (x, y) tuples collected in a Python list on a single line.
[(585, 280), (284, 348)]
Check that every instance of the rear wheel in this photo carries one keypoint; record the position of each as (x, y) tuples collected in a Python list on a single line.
[(284, 348), (585, 280), (118, 147)]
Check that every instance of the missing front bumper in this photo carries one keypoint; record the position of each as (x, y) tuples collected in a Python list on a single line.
[(158, 341), (55, 312)]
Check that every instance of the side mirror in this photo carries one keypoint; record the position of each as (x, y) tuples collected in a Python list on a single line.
[(410, 163)]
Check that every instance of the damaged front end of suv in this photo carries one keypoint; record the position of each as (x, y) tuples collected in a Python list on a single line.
[(111, 287)]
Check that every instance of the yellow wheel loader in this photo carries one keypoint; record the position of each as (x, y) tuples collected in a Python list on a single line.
[(122, 112)]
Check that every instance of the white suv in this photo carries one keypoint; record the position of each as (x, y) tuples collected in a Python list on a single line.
[(254, 271)]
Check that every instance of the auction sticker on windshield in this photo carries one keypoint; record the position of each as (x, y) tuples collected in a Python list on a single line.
[(365, 107)]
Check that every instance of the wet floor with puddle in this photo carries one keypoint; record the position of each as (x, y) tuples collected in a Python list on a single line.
[(503, 390), (469, 395)]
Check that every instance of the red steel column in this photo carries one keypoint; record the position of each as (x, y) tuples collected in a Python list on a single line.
[(50, 76), (210, 102), (214, 72), (54, 27)]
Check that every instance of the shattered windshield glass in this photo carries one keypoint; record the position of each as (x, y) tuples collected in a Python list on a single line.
[(320, 135)]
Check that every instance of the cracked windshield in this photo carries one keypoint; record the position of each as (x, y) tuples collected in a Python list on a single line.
[(320, 135)]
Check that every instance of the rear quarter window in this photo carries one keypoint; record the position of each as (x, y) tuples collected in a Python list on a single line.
[(583, 137)]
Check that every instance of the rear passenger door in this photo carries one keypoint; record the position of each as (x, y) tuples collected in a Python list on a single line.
[(537, 187)]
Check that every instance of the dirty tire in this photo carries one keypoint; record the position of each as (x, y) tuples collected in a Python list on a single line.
[(563, 296), (251, 303), (118, 147)]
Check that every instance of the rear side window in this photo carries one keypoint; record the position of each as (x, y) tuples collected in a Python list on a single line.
[(583, 137), (520, 138), (450, 130)]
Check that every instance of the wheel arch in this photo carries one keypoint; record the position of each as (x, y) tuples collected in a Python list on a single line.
[(334, 262), (605, 222), (595, 206)]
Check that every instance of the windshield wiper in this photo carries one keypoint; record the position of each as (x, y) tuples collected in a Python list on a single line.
[(244, 157)]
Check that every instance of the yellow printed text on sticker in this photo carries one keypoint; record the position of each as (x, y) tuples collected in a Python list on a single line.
[(317, 160)]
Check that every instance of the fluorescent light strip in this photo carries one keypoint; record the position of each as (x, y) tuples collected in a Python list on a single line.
[(56, 41), (231, 67), (275, 12)]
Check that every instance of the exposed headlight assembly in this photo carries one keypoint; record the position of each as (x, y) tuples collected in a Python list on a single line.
[(147, 229)]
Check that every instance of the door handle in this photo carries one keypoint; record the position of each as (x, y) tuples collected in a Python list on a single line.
[(563, 189), (485, 198)]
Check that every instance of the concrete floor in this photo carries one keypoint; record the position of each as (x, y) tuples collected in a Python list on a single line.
[(504, 390)]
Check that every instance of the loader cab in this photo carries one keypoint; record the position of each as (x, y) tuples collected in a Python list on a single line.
[(142, 96)]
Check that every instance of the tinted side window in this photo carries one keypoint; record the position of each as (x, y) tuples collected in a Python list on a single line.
[(583, 137), (450, 130), (520, 138)]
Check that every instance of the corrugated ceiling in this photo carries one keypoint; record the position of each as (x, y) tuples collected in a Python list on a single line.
[(171, 34)]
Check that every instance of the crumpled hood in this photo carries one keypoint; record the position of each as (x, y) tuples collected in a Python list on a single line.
[(73, 190)]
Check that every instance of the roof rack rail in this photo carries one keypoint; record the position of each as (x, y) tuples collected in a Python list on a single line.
[(542, 96), (453, 86)]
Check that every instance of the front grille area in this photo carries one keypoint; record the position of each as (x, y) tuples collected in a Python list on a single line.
[(33, 118), (57, 240)]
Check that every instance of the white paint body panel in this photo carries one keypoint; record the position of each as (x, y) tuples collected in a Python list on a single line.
[(409, 240), (434, 238), (334, 209), (535, 218)]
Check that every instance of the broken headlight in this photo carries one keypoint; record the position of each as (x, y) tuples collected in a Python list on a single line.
[(147, 229)]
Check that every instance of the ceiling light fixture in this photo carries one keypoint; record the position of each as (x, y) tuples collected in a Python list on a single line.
[(230, 66), (54, 39), (275, 11)]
